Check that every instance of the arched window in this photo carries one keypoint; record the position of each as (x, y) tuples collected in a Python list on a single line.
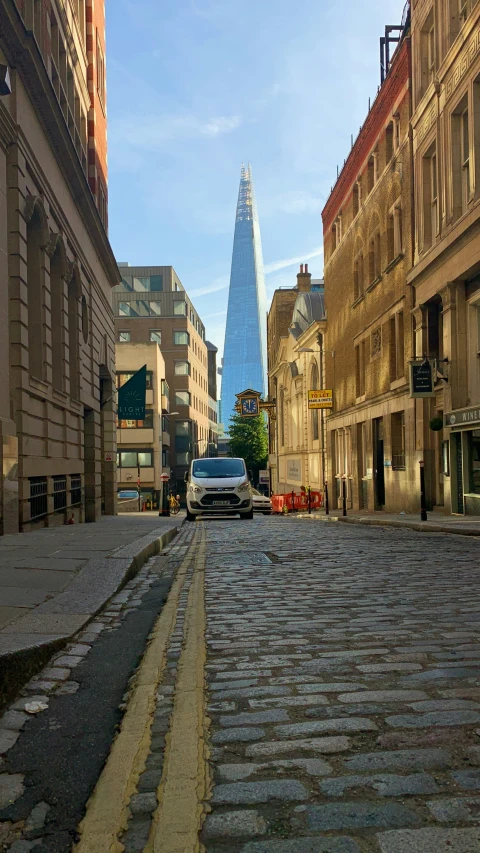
[(58, 269), (281, 419), (314, 412), (35, 291), (74, 294)]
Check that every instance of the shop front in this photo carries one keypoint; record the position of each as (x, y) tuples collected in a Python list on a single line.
[(463, 461)]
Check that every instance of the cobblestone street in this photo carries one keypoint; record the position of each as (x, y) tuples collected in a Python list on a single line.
[(343, 669), (342, 709)]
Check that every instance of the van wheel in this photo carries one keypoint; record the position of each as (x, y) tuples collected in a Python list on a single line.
[(247, 514), (190, 516)]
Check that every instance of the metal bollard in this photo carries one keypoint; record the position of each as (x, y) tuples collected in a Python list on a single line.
[(309, 501), (344, 496), (327, 507), (423, 500)]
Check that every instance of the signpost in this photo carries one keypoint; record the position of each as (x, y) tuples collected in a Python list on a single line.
[(263, 478), (321, 399)]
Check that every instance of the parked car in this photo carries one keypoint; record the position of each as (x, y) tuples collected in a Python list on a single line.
[(218, 486), (261, 503)]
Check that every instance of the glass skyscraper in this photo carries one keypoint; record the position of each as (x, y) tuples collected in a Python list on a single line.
[(245, 352)]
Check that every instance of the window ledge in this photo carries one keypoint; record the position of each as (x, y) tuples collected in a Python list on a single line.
[(360, 399), (393, 263), (374, 283), (399, 468), (398, 383), (358, 300)]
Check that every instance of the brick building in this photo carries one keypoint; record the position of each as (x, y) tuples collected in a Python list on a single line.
[(151, 304), (57, 333), (367, 226), (446, 273)]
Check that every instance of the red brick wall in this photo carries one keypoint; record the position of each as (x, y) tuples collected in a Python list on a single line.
[(97, 119), (373, 127)]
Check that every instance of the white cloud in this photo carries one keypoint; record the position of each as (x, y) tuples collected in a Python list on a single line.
[(274, 266), (219, 284)]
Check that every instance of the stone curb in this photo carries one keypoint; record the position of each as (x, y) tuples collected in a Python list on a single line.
[(25, 652), (421, 526)]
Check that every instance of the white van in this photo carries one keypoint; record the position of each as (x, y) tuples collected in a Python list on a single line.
[(219, 486)]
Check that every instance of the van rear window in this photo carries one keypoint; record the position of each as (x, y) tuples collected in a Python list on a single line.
[(222, 467)]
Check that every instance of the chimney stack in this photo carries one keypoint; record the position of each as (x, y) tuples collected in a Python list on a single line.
[(304, 279)]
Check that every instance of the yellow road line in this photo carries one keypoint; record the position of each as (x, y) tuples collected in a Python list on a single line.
[(107, 810), (185, 783)]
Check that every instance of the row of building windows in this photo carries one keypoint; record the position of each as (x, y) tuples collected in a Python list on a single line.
[(342, 446), (366, 182), (457, 12), (368, 272), (155, 336), (371, 347)]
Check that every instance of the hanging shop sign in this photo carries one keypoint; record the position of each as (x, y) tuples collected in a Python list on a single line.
[(132, 396), (421, 379)]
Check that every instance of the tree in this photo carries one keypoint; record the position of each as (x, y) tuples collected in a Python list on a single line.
[(248, 438)]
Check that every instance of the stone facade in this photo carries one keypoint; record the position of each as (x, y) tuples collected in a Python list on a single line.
[(56, 272), (367, 224), (296, 364), (445, 278)]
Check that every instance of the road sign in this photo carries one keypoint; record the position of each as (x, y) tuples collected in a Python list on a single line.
[(321, 399), (264, 478), (164, 478), (109, 457)]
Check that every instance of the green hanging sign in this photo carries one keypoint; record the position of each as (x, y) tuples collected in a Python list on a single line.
[(131, 396)]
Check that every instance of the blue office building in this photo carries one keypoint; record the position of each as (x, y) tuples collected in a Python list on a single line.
[(245, 352)]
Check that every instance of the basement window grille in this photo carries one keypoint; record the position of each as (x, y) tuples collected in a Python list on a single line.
[(75, 490), (59, 493), (38, 497)]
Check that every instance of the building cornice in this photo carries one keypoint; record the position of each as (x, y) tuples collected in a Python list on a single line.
[(379, 113), (8, 129), (23, 55)]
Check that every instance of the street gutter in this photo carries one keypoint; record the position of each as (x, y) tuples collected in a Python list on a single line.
[(420, 526), (25, 648)]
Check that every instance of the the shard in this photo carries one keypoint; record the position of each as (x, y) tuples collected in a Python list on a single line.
[(245, 351)]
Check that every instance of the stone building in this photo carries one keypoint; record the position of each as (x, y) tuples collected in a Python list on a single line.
[(151, 304), (143, 447), (296, 364), (446, 274), (367, 225), (57, 426)]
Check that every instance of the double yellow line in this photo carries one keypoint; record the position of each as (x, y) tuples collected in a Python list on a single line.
[(185, 783)]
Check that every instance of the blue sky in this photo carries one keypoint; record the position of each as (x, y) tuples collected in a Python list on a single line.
[(195, 87)]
